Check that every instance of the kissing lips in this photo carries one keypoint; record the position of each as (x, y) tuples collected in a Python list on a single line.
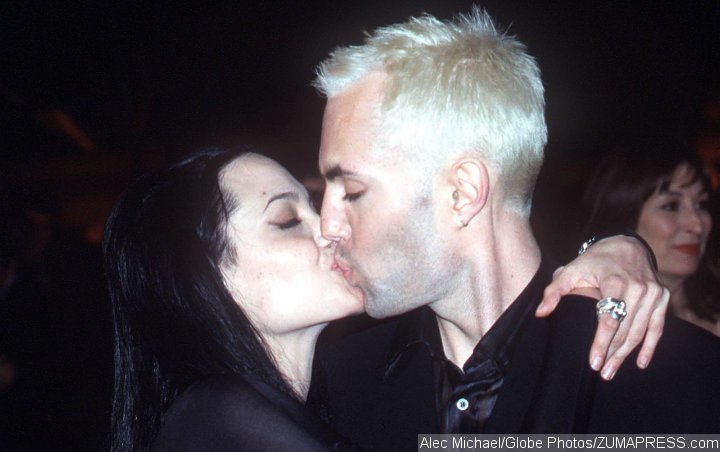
[(341, 268), (346, 271)]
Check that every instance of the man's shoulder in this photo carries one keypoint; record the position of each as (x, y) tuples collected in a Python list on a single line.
[(352, 358), (363, 338), (370, 397), (574, 316), (678, 331), (684, 350), (677, 393)]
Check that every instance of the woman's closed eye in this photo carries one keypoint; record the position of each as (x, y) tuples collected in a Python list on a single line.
[(289, 224)]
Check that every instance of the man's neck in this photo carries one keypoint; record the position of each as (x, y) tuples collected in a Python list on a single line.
[(499, 267)]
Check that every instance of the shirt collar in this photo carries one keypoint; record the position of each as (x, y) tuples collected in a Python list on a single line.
[(418, 329)]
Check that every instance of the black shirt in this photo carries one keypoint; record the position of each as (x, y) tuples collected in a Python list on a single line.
[(465, 398)]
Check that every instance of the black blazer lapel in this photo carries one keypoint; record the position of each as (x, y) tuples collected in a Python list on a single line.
[(549, 384), (520, 382)]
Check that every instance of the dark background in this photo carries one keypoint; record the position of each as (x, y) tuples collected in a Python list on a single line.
[(94, 93), (140, 82)]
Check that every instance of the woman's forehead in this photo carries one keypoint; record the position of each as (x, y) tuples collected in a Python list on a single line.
[(254, 175), (256, 168), (685, 178)]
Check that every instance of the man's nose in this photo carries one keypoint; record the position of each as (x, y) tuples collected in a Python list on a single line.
[(333, 221), (321, 241)]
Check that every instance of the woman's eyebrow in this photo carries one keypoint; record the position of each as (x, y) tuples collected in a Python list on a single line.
[(291, 195), (669, 192)]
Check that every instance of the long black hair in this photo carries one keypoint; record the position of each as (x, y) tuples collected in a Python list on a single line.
[(174, 320)]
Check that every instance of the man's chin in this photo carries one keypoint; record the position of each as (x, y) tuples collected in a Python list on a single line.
[(376, 310)]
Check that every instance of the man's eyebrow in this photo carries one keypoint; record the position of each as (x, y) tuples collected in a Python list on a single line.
[(285, 195), (337, 171)]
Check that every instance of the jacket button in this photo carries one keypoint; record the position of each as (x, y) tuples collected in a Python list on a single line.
[(462, 404)]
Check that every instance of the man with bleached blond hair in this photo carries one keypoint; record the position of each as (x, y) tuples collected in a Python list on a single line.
[(432, 140)]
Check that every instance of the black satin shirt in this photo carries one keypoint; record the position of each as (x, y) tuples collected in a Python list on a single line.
[(465, 397)]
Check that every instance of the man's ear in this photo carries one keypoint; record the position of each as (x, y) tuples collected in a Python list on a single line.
[(471, 183)]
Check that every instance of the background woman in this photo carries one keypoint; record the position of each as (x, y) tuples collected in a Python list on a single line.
[(661, 192)]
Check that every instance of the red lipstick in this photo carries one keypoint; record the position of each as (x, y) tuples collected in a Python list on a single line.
[(688, 248)]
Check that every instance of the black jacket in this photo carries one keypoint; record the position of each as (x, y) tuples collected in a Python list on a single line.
[(549, 387)]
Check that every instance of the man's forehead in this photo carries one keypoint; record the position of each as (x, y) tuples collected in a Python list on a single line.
[(362, 161), (349, 129)]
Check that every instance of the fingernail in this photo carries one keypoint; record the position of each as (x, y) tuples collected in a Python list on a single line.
[(608, 373), (643, 363), (596, 363), (540, 308)]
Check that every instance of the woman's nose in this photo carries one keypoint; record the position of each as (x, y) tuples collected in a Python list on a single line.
[(321, 241), (692, 221)]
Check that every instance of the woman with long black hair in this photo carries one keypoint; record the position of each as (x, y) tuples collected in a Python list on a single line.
[(220, 284)]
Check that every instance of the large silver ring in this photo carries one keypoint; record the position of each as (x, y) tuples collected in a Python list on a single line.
[(612, 306)]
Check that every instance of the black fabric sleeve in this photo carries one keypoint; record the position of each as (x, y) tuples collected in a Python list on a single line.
[(628, 233), (229, 415)]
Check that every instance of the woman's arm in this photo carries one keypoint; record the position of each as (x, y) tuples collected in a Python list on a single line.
[(617, 267)]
